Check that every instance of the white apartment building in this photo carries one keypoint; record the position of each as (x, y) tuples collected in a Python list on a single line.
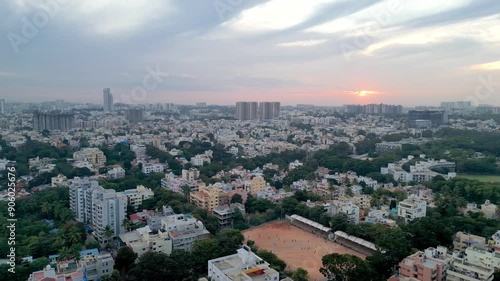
[(244, 266), (142, 240), (462, 270), (420, 172), (137, 195), (90, 154), (99, 207), (412, 208), (116, 172), (199, 160), (148, 168), (95, 264), (59, 180), (483, 256), (344, 207), (184, 230)]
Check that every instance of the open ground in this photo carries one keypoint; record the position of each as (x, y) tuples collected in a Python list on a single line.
[(297, 247), (482, 178)]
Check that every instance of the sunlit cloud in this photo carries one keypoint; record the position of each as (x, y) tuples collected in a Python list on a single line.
[(276, 15), (306, 43), (363, 93), (487, 66)]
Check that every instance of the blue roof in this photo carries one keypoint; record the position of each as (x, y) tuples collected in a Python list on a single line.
[(51, 257), (88, 228), (130, 191), (89, 252)]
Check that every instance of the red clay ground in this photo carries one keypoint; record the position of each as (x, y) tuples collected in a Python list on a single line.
[(306, 249)]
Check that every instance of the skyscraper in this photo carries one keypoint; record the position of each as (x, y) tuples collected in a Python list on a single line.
[(269, 110), (246, 111), (108, 100), (2, 106), (53, 121), (134, 115)]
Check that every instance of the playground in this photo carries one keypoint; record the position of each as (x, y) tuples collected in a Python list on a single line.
[(297, 247)]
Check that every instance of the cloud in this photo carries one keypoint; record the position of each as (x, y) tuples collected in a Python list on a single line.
[(306, 43), (495, 65)]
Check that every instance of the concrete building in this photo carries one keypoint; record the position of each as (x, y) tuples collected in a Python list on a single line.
[(388, 146), (462, 270), (430, 265), (142, 240), (184, 230), (224, 216), (95, 264), (137, 195), (59, 180), (434, 117), (108, 105), (483, 256), (53, 121), (191, 174), (246, 110), (2, 106), (269, 110), (207, 197), (149, 168), (99, 207), (244, 265), (91, 155), (463, 240), (116, 172), (257, 184), (490, 210), (362, 201), (134, 115), (345, 208), (412, 208)]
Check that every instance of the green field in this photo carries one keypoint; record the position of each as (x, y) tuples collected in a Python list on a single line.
[(483, 178)]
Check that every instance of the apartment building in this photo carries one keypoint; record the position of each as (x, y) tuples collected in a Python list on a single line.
[(207, 197), (137, 195), (59, 180), (142, 240), (257, 184), (244, 265), (116, 172), (95, 264), (184, 230), (148, 168), (224, 216), (430, 265), (91, 155), (412, 208), (483, 255), (345, 208), (461, 269), (101, 208), (362, 201), (190, 175)]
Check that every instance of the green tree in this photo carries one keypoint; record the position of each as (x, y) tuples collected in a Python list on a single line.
[(343, 267), (147, 268), (273, 260), (300, 274), (236, 198), (125, 259), (114, 276)]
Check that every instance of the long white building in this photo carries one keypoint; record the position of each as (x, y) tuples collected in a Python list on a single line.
[(412, 208)]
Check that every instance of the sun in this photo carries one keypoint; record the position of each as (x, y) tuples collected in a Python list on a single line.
[(364, 93)]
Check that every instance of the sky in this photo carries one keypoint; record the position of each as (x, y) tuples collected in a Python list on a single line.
[(323, 52)]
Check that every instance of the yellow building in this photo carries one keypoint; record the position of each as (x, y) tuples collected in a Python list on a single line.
[(257, 184), (90, 154), (207, 197)]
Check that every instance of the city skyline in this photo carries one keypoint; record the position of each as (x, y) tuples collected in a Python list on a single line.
[(327, 53)]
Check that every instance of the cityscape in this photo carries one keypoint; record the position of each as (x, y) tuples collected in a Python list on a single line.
[(250, 141)]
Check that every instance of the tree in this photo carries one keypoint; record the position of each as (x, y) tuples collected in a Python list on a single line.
[(273, 260), (343, 267), (114, 276), (236, 198), (230, 240), (300, 274), (125, 259), (148, 269), (108, 232)]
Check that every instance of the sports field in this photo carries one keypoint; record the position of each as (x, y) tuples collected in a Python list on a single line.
[(482, 178), (298, 248)]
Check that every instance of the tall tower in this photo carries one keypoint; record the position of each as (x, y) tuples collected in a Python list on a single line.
[(2, 106), (108, 100)]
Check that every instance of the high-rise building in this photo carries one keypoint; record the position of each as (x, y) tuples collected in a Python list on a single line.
[(134, 115), (269, 110), (246, 110), (2, 106), (436, 117), (53, 121), (102, 208), (108, 100)]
